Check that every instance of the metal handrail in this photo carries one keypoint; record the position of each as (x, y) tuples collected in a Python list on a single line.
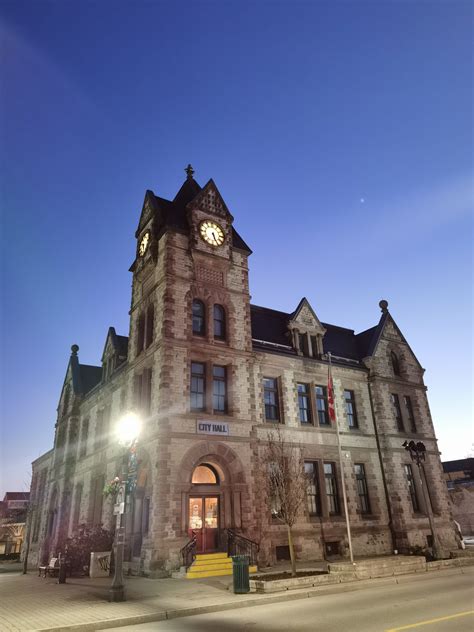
[(188, 552), (240, 545)]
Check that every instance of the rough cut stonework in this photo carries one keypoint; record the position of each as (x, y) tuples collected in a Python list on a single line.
[(153, 372)]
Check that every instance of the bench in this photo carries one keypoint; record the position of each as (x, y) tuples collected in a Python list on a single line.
[(51, 569)]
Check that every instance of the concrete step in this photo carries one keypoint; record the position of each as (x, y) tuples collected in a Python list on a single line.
[(197, 574), (211, 556), (209, 566)]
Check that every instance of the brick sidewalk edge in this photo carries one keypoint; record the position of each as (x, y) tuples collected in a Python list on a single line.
[(290, 595)]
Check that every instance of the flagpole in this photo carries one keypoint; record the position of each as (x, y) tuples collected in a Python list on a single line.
[(341, 465)]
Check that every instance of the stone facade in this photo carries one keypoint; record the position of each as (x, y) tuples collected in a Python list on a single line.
[(151, 372)]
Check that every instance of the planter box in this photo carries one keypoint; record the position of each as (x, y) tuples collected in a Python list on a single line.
[(277, 585)]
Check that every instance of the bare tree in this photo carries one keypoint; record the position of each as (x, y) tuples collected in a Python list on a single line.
[(282, 469)]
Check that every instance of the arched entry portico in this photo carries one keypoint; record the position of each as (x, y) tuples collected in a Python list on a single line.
[(212, 486)]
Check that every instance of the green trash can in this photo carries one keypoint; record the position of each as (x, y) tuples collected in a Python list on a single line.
[(240, 572)]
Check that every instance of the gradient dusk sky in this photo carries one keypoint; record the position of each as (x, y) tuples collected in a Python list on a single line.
[(339, 134)]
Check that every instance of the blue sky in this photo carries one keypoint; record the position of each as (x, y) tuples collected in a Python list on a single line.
[(339, 134)]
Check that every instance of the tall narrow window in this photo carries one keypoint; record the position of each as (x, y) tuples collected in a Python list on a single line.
[(313, 494), (410, 415), (198, 383), (304, 403), (84, 435), (140, 333), (219, 389), (303, 343), (219, 322), (77, 505), (362, 490), (146, 515), (351, 412), (397, 412), (322, 405), (270, 397), (97, 498), (146, 391), (395, 363), (199, 320), (412, 488), (150, 322), (331, 488)]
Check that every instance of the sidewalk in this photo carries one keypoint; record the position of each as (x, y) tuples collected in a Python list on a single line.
[(29, 602)]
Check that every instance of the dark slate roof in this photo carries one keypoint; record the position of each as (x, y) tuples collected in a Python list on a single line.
[(90, 376), (340, 342), (174, 212), (461, 465), (366, 341), (271, 326)]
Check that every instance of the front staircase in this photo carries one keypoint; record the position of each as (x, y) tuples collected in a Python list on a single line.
[(212, 565)]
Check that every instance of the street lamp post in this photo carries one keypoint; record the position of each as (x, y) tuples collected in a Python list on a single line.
[(417, 453), (127, 431)]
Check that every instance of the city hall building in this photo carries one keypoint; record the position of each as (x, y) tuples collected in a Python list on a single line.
[(209, 373)]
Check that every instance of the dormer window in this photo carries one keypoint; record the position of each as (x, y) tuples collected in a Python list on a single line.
[(199, 320)]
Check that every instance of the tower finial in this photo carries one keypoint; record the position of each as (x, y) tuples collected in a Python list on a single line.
[(74, 349), (189, 172), (383, 306)]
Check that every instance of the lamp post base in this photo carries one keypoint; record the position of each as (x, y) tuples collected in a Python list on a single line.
[(117, 593)]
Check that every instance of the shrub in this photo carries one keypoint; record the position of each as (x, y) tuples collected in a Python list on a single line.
[(84, 541)]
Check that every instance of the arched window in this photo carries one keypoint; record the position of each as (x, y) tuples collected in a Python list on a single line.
[(205, 475), (219, 322), (395, 363), (140, 333), (199, 321), (150, 318)]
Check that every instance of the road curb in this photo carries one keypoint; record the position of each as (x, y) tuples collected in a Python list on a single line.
[(290, 595)]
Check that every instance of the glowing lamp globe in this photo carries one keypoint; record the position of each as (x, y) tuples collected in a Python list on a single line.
[(128, 428)]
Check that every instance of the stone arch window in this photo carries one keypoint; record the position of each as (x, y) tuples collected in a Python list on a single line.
[(395, 363), (199, 319), (205, 474), (219, 322), (150, 320)]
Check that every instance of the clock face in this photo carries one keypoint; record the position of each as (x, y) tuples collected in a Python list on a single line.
[(143, 244), (212, 233)]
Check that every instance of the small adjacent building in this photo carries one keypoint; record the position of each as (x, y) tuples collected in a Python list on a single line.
[(210, 373), (13, 514), (459, 477)]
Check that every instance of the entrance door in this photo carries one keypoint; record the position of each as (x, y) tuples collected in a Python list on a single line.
[(204, 521)]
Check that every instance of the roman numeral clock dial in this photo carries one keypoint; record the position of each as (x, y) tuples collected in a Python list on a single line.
[(211, 233)]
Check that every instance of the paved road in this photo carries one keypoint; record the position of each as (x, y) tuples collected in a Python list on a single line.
[(435, 603)]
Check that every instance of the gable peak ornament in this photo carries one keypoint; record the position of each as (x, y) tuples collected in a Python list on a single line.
[(189, 172)]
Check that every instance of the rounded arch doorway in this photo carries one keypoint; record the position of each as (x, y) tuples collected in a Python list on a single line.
[(204, 507)]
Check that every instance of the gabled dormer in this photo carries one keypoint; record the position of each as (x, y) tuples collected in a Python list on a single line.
[(114, 354), (306, 330), (210, 222), (387, 352)]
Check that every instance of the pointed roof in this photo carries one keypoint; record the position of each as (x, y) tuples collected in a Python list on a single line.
[(271, 326), (210, 200), (119, 343), (304, 314), (83, 376), (173, 213)]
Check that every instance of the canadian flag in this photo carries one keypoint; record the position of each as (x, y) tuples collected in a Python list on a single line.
[(331, 409)]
